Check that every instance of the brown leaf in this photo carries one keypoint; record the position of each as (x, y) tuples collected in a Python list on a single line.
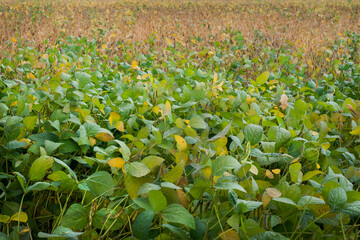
[(183, 198), (283, 101), (229, 235)]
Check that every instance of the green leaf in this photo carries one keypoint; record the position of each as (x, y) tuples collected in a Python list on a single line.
[(295, 174), (352, 209), (92, 129), (306, 200), (268, 235), (72, 173), (157, 200), (106, 218), (125, 151), (323, 129), (152, 161), (228, 186), (83, 78), (41, 137), (12, 128), (65, 76), (284, 200), (30, 122), (300, 106), (101, 183), (83, 138), (311, 174), (224, 163), (50, 146), (39, 186), (200, 230), (198, 188), (222, 133), (197, 122), (133, 184), (282, 137), (337, 199), (253, 133), (142, 224), (175, 173), (136, 169), (311, 154), (147, 187), (15, 145), (144, 132), (39, 167), (262, 78), (76, 217), (176, 213), (247, 205), (62, 233)]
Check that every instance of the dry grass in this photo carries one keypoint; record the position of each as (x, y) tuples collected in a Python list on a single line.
[(309, 24)]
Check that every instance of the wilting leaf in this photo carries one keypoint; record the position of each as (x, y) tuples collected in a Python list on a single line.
[(283, 101)]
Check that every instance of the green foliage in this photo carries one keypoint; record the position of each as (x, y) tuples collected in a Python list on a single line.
[(181, 144)]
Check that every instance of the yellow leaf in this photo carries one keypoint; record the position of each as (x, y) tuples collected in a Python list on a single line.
[(266, 199), (134, 64), (92, 141), (356, 131), (31, 76), (276, 171), (156, 110), (22, 217), (206, 171), (13, 39), (4, 218), (114, 117), (116, 162), (27, 141), (254, 170), (215, 78), (167, 109), (145, 76), (269, 174), (14, 104), (180, 143), (325, 146), (119, 126), (105, 137), (295, 160), (272, 82), (273, 192), (103, 46), (314, 133), (169, 41)]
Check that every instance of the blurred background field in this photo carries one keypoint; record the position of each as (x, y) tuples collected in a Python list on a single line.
[(308, 24)]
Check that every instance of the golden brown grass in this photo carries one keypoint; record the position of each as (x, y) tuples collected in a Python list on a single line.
[(309, 24)]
